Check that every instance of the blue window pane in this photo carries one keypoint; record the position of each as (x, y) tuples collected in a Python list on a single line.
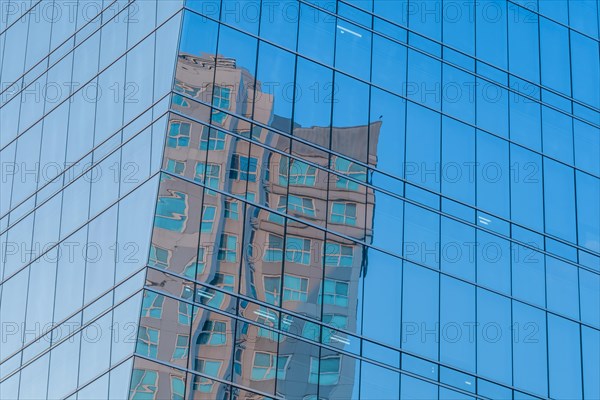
[(529, 349), (559, 194), (564, 358), (493, 337)]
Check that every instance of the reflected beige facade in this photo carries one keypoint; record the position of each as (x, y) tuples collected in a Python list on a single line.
[(228, 246)]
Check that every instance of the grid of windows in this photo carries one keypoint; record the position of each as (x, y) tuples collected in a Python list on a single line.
[(301, 205), (343, 213), (179, 134), (243, 168), (212, 139)]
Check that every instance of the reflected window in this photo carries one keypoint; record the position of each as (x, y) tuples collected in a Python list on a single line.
[(158, 257), (328, 374), (231, 210), (264, 364), (237, 360), (209, 174), (213, 333), (336, 321), (299, 173), (228, 248), (152, 305), (295, 288), (147, 343), (143, 384), (208, 367), (181, 347), (272, 286), (351, 169), (183, 87), (180, 101), (184, 310), (335, 293), (281, 206), (221, 99), (208, 218), (343, 213), (171, 212), (212, 139), (196, 268), (301, 205), (214, 298), (274, 249), (311, 331), (268, 318), (243, 168), (338, 255), (175, 167), (297, 250), (179, 134), (177, 388)]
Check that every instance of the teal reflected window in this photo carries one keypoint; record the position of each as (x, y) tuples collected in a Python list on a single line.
[(295, 288), (208, 218), (353, 170), (210, 368), (181, 347), (228, 248), (327, 374), (177, 388), (152, 305), (231, 210), (175, 167), (214, 298), (265, 365), (335, 321), (299, 173), (147, 343), (268, 318), (213, 333), (243, 168), (343, 213), (184, 310), (209, 174), (281, 207), (171, 212), (159, 257), (301, 205), (221, 99), (274, 250), (272, 289), (143, 384), (180, 101), (338, 255), (311, 331), (297, 250), (196, 268), (179, 134), (212, 139), (335, 293)]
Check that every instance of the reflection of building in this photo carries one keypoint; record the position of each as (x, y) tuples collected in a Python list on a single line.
[(228, 245)]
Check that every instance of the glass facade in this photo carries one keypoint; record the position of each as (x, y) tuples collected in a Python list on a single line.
[(370, 199), (83, 114)]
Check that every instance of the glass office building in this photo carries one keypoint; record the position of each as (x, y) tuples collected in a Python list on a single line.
[(300, 199)]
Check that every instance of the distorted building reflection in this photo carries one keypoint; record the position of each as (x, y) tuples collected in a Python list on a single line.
[(213, 245)]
